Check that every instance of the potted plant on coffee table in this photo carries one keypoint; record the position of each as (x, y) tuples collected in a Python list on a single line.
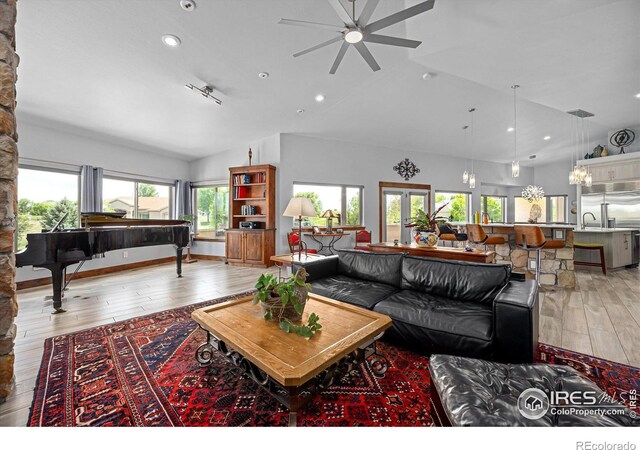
[(425, 227), (284, 300)]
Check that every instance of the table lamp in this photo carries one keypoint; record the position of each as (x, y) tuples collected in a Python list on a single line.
[(329, 215), (299, 207)]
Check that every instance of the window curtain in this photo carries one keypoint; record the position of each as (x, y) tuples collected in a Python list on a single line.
[(91, 189), (182, 204), (98, 175)]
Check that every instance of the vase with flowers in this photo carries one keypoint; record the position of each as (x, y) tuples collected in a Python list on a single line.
[(425, 227)]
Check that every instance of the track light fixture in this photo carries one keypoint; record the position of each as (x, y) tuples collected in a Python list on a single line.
[(205, 91)]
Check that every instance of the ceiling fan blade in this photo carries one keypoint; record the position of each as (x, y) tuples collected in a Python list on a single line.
[(366, 54), (367, 11), (304, 23), (399, 16), (389, 40), (316, 47), (338, 60), (342, 13)]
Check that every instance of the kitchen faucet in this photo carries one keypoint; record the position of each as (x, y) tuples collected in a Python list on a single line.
[(588, 212)]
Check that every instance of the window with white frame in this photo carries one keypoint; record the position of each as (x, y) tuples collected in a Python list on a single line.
[(496, 207), (139, 199), (344, 200), (211, 208), (457, 206), (44, 197)]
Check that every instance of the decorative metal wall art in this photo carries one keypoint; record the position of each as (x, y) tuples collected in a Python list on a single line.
[(406, 169), (622, 139)]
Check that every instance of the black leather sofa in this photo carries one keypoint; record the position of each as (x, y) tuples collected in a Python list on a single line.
[(437, 306), (472, 392)]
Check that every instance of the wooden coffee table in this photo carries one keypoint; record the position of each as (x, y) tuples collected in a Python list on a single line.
[(292, 368)]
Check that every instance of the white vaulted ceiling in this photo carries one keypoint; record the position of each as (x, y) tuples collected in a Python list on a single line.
[(99, 66)]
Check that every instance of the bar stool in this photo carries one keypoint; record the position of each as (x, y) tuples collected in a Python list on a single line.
[(478, 236), (532, 238), (447, 233), (591, 246)]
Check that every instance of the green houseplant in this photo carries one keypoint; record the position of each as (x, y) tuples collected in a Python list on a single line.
[(425, 227), (284, 300)]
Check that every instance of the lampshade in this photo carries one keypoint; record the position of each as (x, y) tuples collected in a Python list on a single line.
[(299, 206), (329, 214)]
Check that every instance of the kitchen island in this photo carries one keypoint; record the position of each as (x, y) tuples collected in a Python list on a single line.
[(556, 265), (618, 245)]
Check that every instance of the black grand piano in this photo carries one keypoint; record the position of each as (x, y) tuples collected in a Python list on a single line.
[(101, 232)]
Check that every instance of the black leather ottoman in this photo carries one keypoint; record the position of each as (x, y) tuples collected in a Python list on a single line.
[(474, 392)]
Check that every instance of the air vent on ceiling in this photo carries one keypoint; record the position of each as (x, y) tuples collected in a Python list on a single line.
[(580, 113)]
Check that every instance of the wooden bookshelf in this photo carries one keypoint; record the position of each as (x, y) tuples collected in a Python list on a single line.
[(251, 199)]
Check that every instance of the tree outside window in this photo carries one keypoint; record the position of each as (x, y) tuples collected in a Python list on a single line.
[(457, 211)]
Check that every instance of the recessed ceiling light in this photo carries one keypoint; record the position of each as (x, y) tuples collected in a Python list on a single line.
[(510, 129), (319, 98), (532, 157), (171, 40), (638, 95), (546, 138), (263, 75), (188, 5), (353, 36), (300, 111)]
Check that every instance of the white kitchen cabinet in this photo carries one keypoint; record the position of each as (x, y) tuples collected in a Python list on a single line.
[(615, 172)]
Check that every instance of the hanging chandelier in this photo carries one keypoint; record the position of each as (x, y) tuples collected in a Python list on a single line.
[(580, 174), (515, 164), (533, 193)]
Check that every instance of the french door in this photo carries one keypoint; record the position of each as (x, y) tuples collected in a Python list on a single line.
[(397, 208)]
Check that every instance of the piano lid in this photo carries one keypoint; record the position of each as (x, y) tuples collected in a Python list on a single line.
[(115, 219)]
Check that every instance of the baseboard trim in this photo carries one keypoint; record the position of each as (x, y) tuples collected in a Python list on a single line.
[(208, 257), (95, 272)]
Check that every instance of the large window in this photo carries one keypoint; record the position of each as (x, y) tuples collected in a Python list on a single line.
[(44, 197), (212, 209), (557, 207), (457, 209), (525, 210), (343, 200), (138, 199), (496, 207), (552, 208)]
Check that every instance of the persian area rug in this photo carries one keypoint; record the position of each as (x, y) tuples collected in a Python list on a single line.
[(143, 372)]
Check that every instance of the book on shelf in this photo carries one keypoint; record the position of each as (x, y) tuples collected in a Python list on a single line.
[(249, 210), (239, 192)]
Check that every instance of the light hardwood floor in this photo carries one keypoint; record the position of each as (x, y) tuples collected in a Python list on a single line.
[(599, 317)]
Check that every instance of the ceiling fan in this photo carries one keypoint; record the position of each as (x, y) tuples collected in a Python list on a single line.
[(357, 32)]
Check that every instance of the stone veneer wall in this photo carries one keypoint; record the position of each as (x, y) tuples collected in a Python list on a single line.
[(8, 195), (556, 265)]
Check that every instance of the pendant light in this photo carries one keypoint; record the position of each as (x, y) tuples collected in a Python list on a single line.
[(515, 164), (465, 174), (533, 192), (472, 175), (580, 174)]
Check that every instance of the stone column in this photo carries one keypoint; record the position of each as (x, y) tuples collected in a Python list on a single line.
[(8, 194)]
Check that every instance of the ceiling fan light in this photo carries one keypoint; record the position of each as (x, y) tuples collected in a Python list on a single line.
[(353, 36)]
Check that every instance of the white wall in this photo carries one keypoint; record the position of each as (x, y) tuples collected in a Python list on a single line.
[(42, 143), (215, 168), (325, 161), (554, 179)]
